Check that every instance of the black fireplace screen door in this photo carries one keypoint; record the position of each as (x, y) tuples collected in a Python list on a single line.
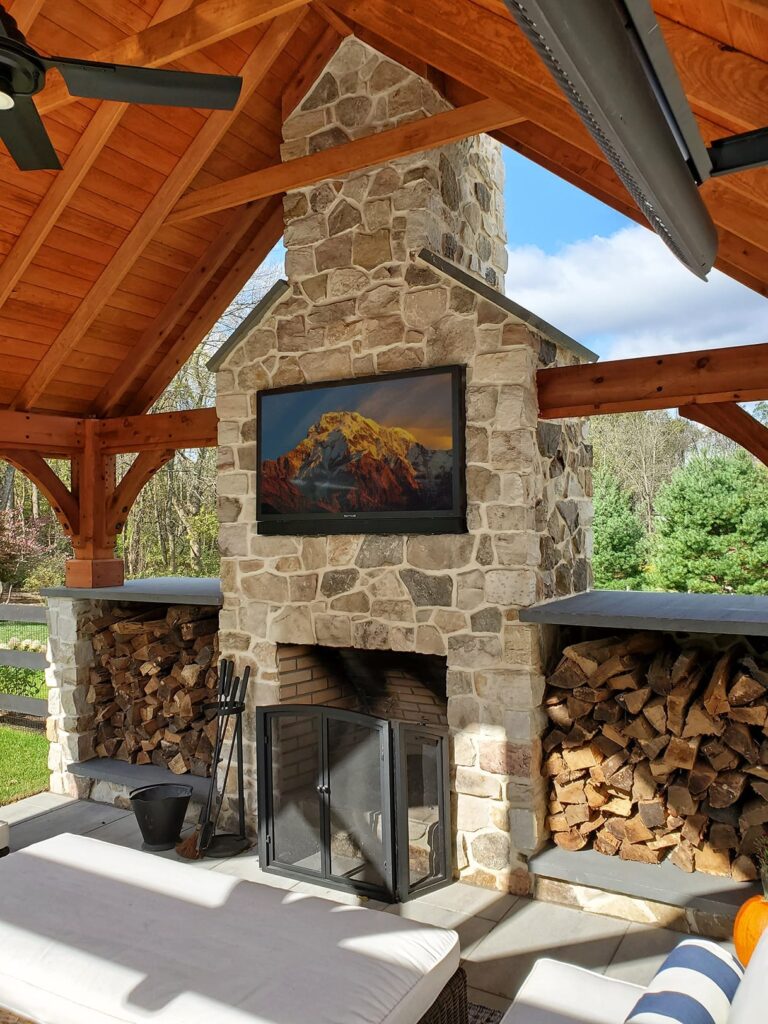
[(352, 800)]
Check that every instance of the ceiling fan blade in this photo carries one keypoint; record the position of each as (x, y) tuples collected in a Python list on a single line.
[(127, 84), (26, 139)]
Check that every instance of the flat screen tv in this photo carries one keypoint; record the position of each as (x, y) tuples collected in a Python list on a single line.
[(380, 454)]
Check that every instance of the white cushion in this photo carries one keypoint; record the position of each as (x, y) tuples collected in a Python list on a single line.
[(92, 933), (751, 1000), (557, 993)]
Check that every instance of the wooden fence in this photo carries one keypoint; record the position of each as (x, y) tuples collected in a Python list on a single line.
[(23, 659)]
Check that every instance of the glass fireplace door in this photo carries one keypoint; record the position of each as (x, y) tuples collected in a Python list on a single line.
[(325, 798), (358, 799), (423, 816), (291, 774)]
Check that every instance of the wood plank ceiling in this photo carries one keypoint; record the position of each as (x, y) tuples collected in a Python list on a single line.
[(104, 294)]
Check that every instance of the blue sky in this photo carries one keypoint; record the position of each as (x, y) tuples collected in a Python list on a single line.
[(609, 282), (554, 212)]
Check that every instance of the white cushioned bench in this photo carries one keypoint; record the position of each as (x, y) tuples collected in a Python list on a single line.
[(92, 933)]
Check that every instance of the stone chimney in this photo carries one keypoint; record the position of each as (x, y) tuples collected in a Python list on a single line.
[(397, 267), (361, 229)]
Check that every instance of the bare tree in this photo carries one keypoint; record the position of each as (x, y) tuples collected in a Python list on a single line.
[(642, 450)]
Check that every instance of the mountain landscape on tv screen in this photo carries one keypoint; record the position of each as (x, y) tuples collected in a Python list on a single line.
[(349, 463)]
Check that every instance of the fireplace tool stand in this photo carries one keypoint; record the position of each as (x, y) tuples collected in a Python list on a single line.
[(227, 844)]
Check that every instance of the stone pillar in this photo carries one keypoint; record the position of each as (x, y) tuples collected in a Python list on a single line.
[(70, 718)]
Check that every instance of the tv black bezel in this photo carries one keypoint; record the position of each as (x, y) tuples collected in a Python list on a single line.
[(315, 524)]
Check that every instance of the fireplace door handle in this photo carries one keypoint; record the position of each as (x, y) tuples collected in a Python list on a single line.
[(323, 789)]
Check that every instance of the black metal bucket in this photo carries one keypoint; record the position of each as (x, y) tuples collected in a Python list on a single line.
[(160, 813)]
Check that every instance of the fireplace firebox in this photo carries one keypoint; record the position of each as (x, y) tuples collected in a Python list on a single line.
[(357, 802)]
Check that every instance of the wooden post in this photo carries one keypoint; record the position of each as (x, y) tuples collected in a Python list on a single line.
[(93, 510), (93, 484)]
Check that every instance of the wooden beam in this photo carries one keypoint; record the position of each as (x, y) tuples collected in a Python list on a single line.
[(206, 23), (655, 382), (39, 432), (36, 469), (413, 137), (732, 421), (111, 396), (127, 491), (256, 67), (263, 241), (332, 18), (162, 431), (721, 83), (64, 185)]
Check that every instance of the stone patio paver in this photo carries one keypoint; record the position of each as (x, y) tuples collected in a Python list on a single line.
[(501, 936)]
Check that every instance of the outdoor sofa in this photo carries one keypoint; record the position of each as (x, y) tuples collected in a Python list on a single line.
[(93, 933), (558, 993)]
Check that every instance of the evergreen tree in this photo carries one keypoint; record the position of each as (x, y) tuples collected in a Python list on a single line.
[(712, 527), (620, 539)]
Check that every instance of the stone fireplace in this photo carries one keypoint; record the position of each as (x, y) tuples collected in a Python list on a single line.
[(393, 268)]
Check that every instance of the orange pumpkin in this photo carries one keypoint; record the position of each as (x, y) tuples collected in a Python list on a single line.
[(751, 921)]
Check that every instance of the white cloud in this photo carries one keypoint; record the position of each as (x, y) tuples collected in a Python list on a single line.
[(627, 295)]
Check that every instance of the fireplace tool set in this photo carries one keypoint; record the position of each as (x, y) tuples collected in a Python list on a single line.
[(205, 841)]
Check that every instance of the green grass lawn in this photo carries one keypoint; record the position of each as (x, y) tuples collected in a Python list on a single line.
[(23, 764)]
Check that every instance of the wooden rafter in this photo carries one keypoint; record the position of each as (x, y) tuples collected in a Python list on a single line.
[(732, 421), (263, 241), (65, 184), (208, 22), (134, 365), (337, 23), (145, 466), (655, 382), (413, 137), (60, 498), (215, 127)]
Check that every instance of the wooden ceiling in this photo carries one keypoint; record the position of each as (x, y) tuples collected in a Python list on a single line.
[(108, 279)]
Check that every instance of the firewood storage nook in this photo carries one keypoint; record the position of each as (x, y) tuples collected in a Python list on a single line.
[(131, 668), (656, 747)]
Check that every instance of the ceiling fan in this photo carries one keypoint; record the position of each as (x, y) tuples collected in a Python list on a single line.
[(22, 75)]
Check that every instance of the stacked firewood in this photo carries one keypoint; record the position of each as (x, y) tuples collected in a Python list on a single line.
[(149, 684), (659, 750)]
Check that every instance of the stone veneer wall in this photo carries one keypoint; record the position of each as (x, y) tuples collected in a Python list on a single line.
[(361, 302), (70, 723)]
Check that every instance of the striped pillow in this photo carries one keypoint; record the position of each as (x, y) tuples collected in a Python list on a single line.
[(695, 985)]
